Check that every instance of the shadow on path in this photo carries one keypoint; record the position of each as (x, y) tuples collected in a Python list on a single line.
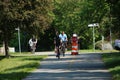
[(71, 67)]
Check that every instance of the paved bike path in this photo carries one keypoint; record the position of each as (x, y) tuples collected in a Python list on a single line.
[(71, 67)]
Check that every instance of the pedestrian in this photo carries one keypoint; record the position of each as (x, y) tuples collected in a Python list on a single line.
[(57, 44), (32, 44)]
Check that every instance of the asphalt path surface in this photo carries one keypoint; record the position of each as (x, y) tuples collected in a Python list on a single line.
[(86, 66)]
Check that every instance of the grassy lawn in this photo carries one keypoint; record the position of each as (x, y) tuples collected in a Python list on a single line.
[(90, 50), (87, 51), (102, 51), (112, 61), (18, 66)]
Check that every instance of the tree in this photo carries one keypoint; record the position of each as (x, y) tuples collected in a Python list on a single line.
[(73, 16), (67, 15), (114, 15), (29, 15)]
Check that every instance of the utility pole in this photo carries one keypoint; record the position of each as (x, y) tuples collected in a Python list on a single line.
[(18, 29), (93, 25)]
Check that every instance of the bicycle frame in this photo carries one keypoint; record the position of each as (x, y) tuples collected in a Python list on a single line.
[(62, 48)]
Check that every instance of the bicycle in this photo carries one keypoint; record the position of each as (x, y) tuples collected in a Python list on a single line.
[(62, 48)]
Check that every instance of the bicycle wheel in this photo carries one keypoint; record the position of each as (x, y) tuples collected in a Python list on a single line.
[(63, 50)]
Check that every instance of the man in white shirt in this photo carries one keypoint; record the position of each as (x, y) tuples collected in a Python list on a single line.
[(32, 44), (63, 38)]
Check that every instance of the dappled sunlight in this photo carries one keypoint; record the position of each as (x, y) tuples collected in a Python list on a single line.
[(70, 75), (71, 67)]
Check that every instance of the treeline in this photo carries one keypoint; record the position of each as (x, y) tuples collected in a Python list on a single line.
[(42, 17)]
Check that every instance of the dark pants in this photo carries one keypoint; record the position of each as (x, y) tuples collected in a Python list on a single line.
[(57, 49)]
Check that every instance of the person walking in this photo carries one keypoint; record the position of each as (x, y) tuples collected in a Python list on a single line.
[(32, 44), (57, 44)]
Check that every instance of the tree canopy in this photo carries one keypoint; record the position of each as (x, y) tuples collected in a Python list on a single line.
[(72, 16), (32, 16)]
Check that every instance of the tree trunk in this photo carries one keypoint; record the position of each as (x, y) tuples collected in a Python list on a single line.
[(6, 45), (6, 49)]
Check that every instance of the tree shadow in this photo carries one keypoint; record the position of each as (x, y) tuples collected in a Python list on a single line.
[(112, 59), (2, 57), (19, 72), (27, 66), (13, 75)]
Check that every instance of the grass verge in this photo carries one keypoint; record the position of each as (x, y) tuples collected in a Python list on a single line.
[(102, 51), (18, 66), (112, 61)]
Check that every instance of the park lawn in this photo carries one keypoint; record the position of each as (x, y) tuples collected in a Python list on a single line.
[(96, 51), (112, 62), (18, 66), (88, 50)]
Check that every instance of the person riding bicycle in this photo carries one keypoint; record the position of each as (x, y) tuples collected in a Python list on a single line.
[(32, 43), (63, 38), (57, 43)]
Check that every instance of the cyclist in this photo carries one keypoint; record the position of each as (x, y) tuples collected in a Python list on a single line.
[(63, 38), (32, 44), (57, 44)]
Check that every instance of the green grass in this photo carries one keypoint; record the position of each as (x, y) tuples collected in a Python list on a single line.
[(87, 51), (112, 61), (91, 50), (18, 65)]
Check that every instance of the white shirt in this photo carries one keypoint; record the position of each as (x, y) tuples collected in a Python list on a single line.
[(32, 42), (63, 37)]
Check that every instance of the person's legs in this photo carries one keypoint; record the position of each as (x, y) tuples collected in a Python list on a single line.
[(33, 49), (58, 52)]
